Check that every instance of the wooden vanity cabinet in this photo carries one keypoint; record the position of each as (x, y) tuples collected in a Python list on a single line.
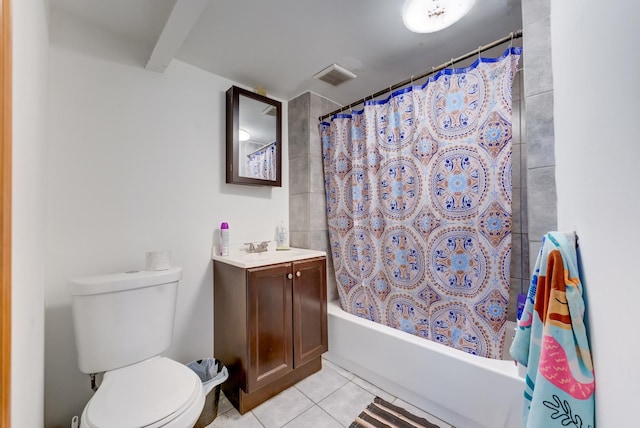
[(270, 326)]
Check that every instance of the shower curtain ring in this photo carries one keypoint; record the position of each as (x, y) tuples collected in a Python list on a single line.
[(479, 47), (511, 41)]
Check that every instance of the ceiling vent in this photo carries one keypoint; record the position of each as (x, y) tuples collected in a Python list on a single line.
[(335, 75)]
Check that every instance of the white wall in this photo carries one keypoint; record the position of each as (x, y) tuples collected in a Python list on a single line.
[(136, 163), (595, 73), (30, 44)]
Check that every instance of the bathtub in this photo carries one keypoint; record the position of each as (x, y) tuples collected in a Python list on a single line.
[(464, 390)]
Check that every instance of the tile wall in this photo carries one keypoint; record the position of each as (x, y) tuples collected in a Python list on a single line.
[(538, 96), (519, 277), (307, 201)]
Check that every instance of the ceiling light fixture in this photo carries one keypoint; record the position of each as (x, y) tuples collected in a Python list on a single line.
[(429, 16), (243, 135)]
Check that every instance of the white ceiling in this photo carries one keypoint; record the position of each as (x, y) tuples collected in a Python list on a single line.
[(280, 44)]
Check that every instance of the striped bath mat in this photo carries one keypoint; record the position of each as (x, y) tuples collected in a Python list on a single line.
[(381, 414)]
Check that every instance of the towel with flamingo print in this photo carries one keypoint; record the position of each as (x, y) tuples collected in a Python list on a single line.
[(551, 341)]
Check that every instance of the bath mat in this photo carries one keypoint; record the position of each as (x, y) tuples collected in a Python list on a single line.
[(382, 414)]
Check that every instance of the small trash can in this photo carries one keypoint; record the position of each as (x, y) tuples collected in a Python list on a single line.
[(212, 373)]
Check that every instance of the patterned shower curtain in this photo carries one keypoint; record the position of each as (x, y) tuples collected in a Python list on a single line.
[(418, 193), (262, 163)]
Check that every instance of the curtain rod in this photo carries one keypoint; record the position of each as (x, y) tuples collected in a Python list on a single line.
[(260, 148), (510, 36)]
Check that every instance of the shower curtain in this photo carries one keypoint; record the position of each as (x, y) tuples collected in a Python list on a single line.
[(418, 191), (262, 163)]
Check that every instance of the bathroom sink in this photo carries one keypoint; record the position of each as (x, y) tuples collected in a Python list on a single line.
[(243, 259)]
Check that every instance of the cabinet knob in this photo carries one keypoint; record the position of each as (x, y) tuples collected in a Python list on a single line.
[(289, 276), (298, 274)]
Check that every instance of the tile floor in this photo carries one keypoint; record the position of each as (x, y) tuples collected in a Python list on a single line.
[(331, 398)]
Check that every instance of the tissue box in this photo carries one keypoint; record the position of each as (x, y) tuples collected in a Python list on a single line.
[(158, 260)]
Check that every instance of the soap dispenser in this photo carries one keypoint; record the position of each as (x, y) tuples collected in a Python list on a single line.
[(282, 238), (224, 239)]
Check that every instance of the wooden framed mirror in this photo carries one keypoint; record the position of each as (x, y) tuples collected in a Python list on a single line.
[(254, 139)]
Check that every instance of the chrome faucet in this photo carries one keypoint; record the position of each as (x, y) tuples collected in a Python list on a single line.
[(257, 248)]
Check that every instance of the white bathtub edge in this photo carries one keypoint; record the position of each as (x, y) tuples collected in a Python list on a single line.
[(371, 364)]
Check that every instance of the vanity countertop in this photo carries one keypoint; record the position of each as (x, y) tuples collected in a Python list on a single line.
[(243, 259)]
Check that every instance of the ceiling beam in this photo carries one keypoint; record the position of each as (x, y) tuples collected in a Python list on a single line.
[(183, 17)]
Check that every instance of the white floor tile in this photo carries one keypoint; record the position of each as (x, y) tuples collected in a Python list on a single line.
[(346, 403), (338, 403), (315, 417), (224, 404), (345, 373), (321, 384), (373, 389), (283, 408), (233, 419)]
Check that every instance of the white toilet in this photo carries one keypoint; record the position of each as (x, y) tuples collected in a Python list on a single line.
[(122, 323)]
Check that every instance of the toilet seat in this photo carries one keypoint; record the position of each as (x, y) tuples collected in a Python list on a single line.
[(150, 394)]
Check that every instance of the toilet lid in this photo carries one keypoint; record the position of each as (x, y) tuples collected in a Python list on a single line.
[(143, 394)]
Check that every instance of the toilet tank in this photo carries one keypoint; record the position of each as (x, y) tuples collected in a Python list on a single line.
[(123, 318)]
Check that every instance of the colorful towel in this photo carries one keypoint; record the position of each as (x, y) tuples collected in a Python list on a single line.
[(551, 341)]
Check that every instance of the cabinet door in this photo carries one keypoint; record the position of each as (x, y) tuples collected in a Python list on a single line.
[(269, 324), (309, 310)]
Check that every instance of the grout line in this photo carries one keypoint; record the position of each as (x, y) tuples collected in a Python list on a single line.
[(542, 166)]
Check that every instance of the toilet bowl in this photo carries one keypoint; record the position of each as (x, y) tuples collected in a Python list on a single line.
[(122, 324), (157, 392)]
